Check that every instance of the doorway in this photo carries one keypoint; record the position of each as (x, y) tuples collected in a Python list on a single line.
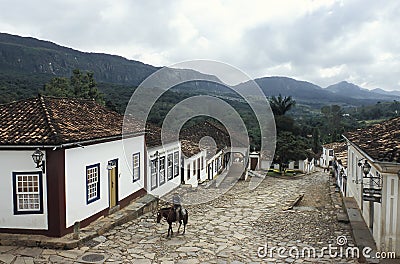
[(113, 182)]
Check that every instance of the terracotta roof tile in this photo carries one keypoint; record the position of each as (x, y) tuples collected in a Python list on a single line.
[(380, 141), (153, 136), (189, 148), (54, 121), (191, 137), (196, 132)]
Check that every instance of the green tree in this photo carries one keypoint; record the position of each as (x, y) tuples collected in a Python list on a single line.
[(280, 105), (333, 125), (316, 141), (289, 148), (58, 87), (79, 85)]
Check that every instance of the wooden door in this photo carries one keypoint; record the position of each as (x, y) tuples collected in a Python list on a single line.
[(113, 189), (253, 163)]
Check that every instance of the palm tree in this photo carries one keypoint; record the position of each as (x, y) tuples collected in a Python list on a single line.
[(280, 105)]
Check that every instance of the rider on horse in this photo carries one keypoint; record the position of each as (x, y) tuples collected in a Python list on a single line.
[(176, 201)]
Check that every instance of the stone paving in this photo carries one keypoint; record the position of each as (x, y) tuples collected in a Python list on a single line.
[(240, 226)]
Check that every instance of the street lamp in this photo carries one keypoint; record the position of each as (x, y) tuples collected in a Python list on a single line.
[(37, 157), (365, 167)]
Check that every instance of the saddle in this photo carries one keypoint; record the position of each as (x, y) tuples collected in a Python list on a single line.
[(182, 212)]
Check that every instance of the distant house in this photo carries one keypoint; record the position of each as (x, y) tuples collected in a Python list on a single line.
[(339, 167), (163, 162), (194, 163), (374, 180), (326, 159), (303, 166), (215, 141), (81, 169), (255, 162)]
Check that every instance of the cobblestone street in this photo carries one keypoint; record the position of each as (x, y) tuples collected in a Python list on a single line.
[(233, 228)]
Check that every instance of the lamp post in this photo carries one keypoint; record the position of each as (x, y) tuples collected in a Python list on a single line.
[(37, 157), (366, 168)]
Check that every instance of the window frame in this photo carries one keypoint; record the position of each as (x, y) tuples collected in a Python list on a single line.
[(154, 166), (135, 177), (97, 197), (176, 164), (188, 171), (15, 193), (170, 166), (161, 170)]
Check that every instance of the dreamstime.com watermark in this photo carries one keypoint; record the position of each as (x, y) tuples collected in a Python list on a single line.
[(340, 250)]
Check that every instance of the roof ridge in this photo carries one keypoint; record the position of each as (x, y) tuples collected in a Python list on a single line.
[(49, 120)]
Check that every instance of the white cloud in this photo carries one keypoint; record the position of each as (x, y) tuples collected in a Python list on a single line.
[(319, 41)]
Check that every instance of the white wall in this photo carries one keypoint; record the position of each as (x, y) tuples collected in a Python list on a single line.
[(203, 172), (213, 161), (169, 185), (391, 216), (77, 159), (19, 161), (325, 158), (354, 174), (386, 231)]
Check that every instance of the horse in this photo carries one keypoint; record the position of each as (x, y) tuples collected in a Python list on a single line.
[(169, 215)]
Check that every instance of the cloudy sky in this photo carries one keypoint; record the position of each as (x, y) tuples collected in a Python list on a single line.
[(321, 41)]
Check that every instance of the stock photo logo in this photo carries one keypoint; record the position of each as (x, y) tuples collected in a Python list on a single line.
[(200, 73), (340, 250)]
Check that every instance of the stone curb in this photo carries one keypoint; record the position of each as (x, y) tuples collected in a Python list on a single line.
[(135, 209)]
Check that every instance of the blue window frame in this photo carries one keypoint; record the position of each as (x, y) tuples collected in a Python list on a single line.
[(136, 166), (92, 183), (170, 164), (161, 170), (176, 163), (154, 173), (28, 192)]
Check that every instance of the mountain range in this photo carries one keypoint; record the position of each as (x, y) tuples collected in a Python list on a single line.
[(21, 57)]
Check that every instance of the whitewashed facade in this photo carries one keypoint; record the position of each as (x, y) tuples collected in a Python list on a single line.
[(164, 168), (77, 160), (383, 218), (194, 169), (20, 162), (326, 159), (84, 171)]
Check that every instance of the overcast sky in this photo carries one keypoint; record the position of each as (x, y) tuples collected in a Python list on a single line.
[(323, 42)]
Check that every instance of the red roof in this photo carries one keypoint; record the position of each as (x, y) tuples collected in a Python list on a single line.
[(380, 141), (54, 121)]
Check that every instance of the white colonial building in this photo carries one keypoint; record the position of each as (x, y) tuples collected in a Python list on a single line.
[(326, 159), (64, 161), (163, 162), (374, 180)]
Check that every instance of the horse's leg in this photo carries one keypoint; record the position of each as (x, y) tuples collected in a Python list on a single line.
[(184, 224), (180, 223), (169, 228)]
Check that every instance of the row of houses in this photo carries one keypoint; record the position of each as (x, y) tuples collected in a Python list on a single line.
[(367, 168), (65, 161), (303, 166)]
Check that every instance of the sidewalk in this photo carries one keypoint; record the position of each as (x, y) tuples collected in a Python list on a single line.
[(361, 233), (135, 209)]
